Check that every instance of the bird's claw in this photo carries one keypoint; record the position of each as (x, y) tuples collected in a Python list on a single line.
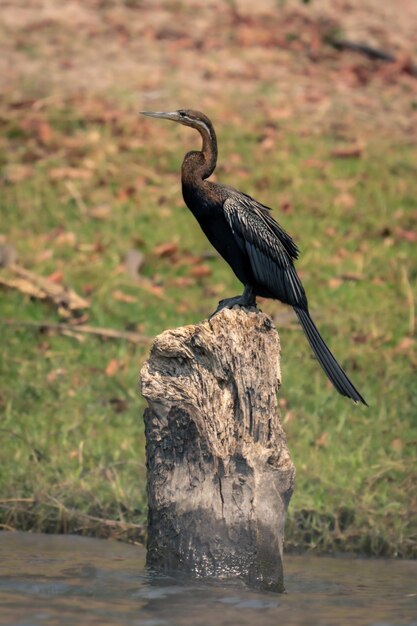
[(223, 304), (229, 303)]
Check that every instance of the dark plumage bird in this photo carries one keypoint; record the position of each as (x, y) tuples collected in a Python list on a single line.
[(243, 231)]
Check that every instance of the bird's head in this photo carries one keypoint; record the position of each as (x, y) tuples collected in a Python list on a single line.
[(187, 117)]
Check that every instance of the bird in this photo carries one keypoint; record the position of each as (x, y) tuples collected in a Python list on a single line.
[(246, 235)]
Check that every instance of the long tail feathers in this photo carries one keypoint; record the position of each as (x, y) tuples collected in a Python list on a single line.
[(326, 359)]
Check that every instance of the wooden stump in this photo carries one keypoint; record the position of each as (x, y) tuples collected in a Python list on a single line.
[(220, 476)]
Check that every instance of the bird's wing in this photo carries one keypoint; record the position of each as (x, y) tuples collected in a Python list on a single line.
[(265, 213), (269, 248)]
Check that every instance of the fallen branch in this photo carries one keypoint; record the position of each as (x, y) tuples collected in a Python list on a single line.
[(10, 500), (109, 333), (111, 523), (17, 277), (55, 503), (27, 512), (370, 52)]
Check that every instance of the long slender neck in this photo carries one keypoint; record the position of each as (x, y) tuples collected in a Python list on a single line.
[(209, 149), (200, 165)]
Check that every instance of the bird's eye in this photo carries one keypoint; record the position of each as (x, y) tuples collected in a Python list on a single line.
[(182, 113)]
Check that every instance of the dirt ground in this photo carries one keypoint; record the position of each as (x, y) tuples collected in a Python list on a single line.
[(214, 56)]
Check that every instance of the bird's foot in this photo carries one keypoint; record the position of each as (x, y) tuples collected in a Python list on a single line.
[(245, 300)]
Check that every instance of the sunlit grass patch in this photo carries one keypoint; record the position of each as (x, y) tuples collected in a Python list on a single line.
[(71, 429)]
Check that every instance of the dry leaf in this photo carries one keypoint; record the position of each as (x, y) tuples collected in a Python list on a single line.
[(182, 281), (216, 289), (88, 289), (100, 212), (63, 311), (348, 152), (66, 238), (201, 271), (354, 276), (166, 249), (18, 172), (268, 143), (187, 260), (53, 375), (150, 287), (44, 131), (342, 253), (281, 114), (286, 206), (397, 445), (56, 277), (315, 163), (343, 184), (361, 338), (345, 200), (406, 235), (322, 440), (125, 193), (45, 255), (334, 283), (123, 297), (378, 281), (235, 158), (183, 307), (112, 367), (119, 405), (404, 345), (69, 173)]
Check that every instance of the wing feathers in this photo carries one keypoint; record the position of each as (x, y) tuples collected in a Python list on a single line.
[(271, 252), (270, 249)]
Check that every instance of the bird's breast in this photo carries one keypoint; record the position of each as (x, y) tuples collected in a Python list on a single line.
[(209, 213)]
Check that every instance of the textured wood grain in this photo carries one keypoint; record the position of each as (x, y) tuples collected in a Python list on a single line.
[(219, 472)]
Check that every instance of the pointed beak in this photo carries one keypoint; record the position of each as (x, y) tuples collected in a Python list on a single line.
[(173, 115)]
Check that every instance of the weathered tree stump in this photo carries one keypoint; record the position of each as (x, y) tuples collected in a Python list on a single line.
[(220, 476)]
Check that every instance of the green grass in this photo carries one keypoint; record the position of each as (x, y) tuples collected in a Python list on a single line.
[(72, 436)]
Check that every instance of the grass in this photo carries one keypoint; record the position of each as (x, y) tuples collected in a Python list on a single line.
[(72, 450)]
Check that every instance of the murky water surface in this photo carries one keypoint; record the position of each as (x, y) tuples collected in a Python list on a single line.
[(47, 580)]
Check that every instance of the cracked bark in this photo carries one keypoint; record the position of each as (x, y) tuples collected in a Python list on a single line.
[(220, 476)]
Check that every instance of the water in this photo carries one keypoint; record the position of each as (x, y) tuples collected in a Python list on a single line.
[(48, 580)]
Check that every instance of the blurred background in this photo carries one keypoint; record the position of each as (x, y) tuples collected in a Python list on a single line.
[(315, 107)]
